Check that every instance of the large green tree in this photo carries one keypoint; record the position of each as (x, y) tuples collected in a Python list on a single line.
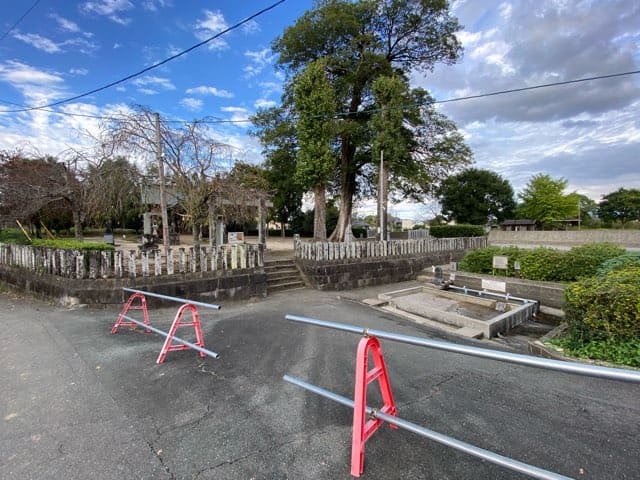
[(278, 137), (313, 96), (360, 42), (544, 200), (476, 196), (622, 206)]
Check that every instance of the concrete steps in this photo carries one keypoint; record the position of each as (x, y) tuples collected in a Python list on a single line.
[(282, 275)]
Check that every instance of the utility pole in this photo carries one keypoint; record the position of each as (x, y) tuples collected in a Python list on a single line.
[(163, 197), (382, 199)]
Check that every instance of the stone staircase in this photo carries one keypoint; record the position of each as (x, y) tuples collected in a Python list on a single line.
[(282, 275)]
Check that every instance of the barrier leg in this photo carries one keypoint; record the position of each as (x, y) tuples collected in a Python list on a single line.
[(363, 428), (121, 322), (195, 323)]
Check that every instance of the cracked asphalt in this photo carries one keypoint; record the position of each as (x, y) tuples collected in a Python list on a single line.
[(77, 402)]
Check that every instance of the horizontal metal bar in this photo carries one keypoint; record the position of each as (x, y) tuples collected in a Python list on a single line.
[(174, 299), (493, 294), (621, 374), (177, 339), (487, 455)]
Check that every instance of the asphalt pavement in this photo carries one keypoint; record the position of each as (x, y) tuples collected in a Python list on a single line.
[(77, 402)]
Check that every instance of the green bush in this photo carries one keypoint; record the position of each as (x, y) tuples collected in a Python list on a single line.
[(606, 307), (584, 261), (618, 263), (612, 351), (450, 231), (481, 259), (544, 264), (13, 235)]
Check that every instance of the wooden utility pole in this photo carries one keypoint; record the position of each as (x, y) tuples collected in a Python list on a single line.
[(163, 197)]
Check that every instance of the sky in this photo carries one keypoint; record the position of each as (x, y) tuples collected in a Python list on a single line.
[(587, 133)]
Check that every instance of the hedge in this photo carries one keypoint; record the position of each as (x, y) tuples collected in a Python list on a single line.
[(626, 260), (450, 231), (605, 307), (544, 263)]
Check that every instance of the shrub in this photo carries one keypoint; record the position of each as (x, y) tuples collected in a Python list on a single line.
[(606, 307), (450, 231), (13, 235), (543, 264), (618, 263), (583, 261), (481, 260)]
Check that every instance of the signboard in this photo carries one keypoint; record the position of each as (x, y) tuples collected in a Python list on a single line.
[(500, 262), (494, 285), (236, 237)]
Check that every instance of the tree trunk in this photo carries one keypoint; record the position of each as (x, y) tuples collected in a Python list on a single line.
[(283, 229), (347, 191), (320, 214), (77, 224)]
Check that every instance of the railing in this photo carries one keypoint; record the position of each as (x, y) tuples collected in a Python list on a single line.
[(117, 264), (328, 251), (417, 234)]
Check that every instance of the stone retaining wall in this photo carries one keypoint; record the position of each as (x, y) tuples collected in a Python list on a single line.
[(570, 238), (549, 294), (355, 273), (206, 286)]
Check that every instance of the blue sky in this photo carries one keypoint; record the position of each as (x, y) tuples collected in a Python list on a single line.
[(588, 134)]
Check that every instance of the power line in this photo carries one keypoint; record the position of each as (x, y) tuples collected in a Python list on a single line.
[(155, 65), (370, 110), (4, 35)]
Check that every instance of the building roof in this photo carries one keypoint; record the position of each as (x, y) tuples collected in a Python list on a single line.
[(521, 221)]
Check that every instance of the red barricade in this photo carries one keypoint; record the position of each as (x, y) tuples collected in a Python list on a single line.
[(363, 429), (121, 322)]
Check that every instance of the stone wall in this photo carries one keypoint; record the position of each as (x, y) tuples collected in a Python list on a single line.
[(355, 273), (549, 294), (569, 238), (205, 286)]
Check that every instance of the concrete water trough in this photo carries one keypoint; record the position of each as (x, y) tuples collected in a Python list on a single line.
[(475, 314)]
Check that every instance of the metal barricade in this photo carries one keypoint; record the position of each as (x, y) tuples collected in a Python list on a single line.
[(506, 462)]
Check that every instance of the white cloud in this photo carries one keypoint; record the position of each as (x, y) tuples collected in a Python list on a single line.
[(154, 5), (238, 114), (259, 60), (208, 90), (78, 71), (264, 103), (153, 81), (269, 88), (251, 27), (17, 73), (193, 104), (212, 24), (66, 24), (38, 41), (117, 46), (110, 9)]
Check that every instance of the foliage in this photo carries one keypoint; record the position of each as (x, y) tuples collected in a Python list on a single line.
[(450, 231), (360, 42), (545, 264), (587, 209), (13, 235), (543, 200), (605, 307), (585, 260), (625, 352), (481, 259), (625, 260), (622, 206), (67, 244), (314, 100), (476, 196)]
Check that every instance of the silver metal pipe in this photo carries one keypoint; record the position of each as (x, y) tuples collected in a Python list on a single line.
[(492, 294), (621, 374), (177, 339), (174, 299), (506, 462)]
